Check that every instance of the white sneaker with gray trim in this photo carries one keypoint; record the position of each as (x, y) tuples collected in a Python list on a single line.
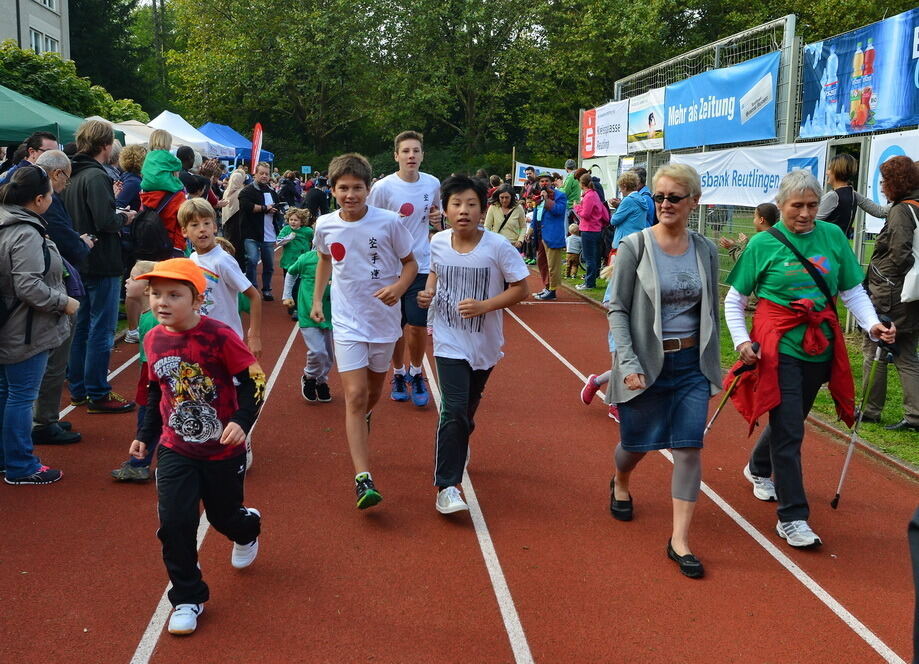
[(184, 618), (449, 501), (797, 534), (763, 487), (244, 554)]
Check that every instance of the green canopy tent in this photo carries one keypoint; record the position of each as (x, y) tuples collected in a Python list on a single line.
[(21, 115)]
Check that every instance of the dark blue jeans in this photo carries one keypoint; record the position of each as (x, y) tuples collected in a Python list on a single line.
[(265, 251), (19, 385), (87, 371), (591, 242)]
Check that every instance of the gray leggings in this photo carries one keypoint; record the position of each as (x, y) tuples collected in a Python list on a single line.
[(687, 470)]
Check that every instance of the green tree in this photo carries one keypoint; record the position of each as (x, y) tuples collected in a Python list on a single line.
[(101, 44)]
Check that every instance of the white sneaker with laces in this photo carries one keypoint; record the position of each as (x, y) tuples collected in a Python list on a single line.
[(797, 534), (184, 618), (450, 500), (763, 487), (132, 337), (244, 554)]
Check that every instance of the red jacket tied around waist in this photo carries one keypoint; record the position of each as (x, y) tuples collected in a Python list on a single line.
[(757, 391)]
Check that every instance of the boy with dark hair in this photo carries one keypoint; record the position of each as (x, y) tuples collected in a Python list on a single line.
[(413, 195), (474, 275), (369, 252), (204, 394)]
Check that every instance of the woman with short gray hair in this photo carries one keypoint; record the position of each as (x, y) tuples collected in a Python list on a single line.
[(801, 342)]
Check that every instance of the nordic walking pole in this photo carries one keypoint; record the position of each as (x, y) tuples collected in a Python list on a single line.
[(866, 389), (727, 395)]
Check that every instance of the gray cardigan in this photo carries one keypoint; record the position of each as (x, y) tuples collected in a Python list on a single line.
[(635, 315)]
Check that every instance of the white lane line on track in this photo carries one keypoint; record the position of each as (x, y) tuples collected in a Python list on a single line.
[(512, 624), (151, 635), (111, 376), (806, 580)]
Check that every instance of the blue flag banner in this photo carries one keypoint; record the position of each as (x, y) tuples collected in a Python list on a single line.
[(730, 105), (863, 80)]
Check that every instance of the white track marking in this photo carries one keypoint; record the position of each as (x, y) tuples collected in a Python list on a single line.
[(112, 375), (155, 627), (806, 580), (512, 623)]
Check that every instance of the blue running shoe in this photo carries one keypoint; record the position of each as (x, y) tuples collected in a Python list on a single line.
[(399, 388), (419, 391)]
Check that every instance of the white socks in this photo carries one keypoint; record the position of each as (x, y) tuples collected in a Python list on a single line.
[(413, 370)]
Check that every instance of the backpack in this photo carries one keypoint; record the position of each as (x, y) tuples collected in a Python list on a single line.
[(148, 237), (6, 311)]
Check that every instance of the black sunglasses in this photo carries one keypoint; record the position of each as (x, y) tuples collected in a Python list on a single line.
[(672, 198)]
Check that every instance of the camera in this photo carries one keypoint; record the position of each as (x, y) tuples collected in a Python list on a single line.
[(93, 238)]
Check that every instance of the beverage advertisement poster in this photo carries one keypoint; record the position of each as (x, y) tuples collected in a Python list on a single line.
[(729, 105), (863, 80), (604, 130), (646, 121)]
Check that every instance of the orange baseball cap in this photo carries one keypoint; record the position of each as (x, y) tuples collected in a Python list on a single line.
[(180, 269)]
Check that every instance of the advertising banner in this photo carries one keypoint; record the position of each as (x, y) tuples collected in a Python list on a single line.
[(520, 176), (256, 145), (750, 176), (604, 130), (884, 147), (864, 80), (729, 105), (646, 121)]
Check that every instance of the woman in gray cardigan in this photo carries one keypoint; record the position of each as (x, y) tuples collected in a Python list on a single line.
[(664, 319), (34, 302)]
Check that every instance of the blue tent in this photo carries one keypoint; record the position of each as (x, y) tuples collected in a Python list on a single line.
[(229, 136)]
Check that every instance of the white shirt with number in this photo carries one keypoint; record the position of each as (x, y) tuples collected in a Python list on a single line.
[(479, 274), (366, 256), (411, 201), (224, 282)]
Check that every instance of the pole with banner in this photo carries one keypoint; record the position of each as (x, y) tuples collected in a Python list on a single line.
[(256, 144)]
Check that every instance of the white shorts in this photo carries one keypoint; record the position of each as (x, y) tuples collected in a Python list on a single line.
[(351, 355)]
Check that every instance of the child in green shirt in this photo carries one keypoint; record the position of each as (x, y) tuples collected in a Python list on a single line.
[(296, 238)]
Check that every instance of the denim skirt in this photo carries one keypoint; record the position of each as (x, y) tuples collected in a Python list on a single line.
[(672, 412)]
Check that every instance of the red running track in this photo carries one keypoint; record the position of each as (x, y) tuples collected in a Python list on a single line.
[(81, 575)]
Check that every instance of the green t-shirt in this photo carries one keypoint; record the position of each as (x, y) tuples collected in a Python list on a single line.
[(572, 189), (769, 269), (302, 242), (146, 323), (305, 268)]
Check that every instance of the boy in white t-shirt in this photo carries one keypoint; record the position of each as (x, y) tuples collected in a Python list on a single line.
[(369, 252), (414, 196), (466, 288)]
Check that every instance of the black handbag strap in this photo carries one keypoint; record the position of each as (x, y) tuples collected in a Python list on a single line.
[(506, 218), (807, 265)]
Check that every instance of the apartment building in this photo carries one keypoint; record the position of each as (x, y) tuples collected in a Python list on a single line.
[(42, 25)]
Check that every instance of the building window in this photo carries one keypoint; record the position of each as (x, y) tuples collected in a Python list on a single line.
[(50, 4), (41, 43), (51, 45)]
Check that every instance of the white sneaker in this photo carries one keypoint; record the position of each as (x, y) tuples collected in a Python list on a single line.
[(763, 487), (797, 534), (449, 501), (184, 618), (248, 453), (132, 337), (244, 554)]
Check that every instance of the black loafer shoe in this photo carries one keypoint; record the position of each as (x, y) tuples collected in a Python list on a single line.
[(620, 509), (902, 425), (65, 425), (54, 435), (689, 564)]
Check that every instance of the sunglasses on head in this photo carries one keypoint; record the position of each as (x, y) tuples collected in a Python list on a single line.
[(672, 198)]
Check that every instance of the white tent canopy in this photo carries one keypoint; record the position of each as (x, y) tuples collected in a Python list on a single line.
[(184, 134), (136, 132)]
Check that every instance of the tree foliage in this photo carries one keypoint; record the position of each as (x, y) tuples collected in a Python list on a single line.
[(101, 44), (54, 81)]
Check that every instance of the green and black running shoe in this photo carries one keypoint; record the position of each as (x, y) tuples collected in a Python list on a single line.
[(367, 494)]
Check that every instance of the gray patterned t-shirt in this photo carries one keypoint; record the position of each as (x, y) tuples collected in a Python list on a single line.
[(681, 292)]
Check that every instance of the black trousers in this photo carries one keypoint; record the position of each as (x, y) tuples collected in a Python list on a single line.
[(461, 390), (914, 554), (182, 483), (778, 451)]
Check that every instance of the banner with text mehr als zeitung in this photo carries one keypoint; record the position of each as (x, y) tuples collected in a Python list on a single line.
[(730, 105), (646, 121), (750, 176), (604, 130)]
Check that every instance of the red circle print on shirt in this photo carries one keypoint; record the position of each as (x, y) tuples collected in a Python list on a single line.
[(407, 209), (338, 251)]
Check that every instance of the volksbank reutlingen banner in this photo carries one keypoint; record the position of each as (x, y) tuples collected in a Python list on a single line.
[(750, 176), (864, 80), (730, 105)]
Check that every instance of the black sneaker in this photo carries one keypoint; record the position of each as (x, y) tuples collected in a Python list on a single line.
[(43, 475), (53, 434), (267, 296), (308, 388), (367, 494), (323, 393)]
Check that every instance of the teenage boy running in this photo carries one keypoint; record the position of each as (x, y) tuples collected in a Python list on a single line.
[(369, 252), (466, 288), (414, 197), (204, 394)]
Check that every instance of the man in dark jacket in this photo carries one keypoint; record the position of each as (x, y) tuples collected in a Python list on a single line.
[(316, 200), (258, 207), (90, 200), (35, 145)]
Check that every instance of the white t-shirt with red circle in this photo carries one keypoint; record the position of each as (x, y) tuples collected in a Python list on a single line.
[(411, 201)]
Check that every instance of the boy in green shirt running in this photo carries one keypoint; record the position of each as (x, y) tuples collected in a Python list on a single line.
[(314, 384)]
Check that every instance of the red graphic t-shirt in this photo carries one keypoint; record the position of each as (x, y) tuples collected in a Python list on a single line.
[(195, 372)]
